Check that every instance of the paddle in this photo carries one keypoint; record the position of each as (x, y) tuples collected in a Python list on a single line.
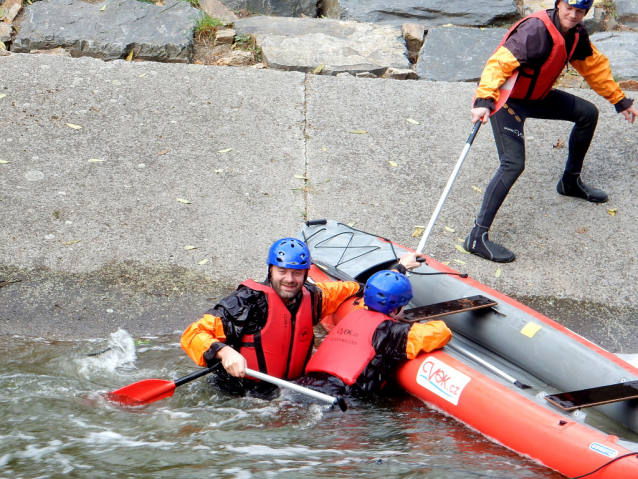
[(597, 396), (504, 93), (482, 362), (151, 390)]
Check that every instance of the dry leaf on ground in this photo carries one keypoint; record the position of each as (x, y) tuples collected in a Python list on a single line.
[(461, 249)]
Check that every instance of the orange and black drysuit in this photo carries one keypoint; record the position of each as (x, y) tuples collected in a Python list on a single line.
[(538, 50), (274, 338), (366, 347)]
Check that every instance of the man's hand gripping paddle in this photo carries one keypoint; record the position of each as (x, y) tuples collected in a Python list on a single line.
[(151, 390)]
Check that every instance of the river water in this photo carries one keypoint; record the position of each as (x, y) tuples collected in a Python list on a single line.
[(55, 422)]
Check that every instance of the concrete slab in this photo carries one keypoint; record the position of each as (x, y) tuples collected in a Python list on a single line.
[(96, 245), (566, 248), (208, 135)]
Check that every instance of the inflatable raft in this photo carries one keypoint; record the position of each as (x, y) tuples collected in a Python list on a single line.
[(503, 364)]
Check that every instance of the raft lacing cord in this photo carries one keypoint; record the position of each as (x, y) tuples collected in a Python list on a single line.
[(607, 464), (339, 262)]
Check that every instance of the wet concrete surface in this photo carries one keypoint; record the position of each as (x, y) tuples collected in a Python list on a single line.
[(164, 299), (613, 328), (143, 300)]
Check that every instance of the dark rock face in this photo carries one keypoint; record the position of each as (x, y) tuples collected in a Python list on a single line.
[(457, 53), (110, 30), (276, 8), (622, 50), (627, 12), (430, 13)]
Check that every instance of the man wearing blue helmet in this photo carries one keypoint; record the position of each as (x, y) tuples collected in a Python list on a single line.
[(363, 351), (538, 48), (268, 326)]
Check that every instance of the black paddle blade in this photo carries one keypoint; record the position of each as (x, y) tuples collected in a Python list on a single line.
[(583, 398), (447, 307)]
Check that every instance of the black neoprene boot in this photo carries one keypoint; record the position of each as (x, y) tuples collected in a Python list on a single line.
[(572, 185), (479, 244)]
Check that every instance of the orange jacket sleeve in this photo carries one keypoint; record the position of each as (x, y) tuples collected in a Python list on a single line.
[(333, 294), (200, 335), (498, 68), (427, 337), (597, 73)]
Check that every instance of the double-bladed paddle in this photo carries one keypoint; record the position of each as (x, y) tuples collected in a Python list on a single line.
[(151, 390)]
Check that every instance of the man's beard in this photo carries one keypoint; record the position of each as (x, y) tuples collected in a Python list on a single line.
[(285, 294)]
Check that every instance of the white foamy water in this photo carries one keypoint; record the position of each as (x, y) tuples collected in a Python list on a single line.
[(55, 422)]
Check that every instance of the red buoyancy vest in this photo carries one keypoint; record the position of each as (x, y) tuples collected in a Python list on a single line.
[(347, 349), (535, 84), (282, 347)]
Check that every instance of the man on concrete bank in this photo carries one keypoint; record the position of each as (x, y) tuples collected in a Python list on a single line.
[(363, 351), (538, 47), (268, 326)]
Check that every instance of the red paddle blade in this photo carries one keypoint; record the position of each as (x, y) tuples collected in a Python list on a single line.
[(143, 392), (504, 91)]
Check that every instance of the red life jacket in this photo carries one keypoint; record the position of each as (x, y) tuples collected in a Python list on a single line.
[(347, 349), (535, 84), (282, 347)]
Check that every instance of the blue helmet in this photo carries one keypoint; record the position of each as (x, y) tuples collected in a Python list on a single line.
[(583, 4), (387, 291), (289, 253)]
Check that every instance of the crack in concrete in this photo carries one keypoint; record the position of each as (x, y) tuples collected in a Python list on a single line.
[(305, 145)]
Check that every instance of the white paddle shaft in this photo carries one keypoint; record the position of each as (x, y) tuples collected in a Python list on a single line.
[(294, 387)]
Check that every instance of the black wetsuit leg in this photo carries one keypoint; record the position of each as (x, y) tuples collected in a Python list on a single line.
[(509, 133), (508, 127)]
